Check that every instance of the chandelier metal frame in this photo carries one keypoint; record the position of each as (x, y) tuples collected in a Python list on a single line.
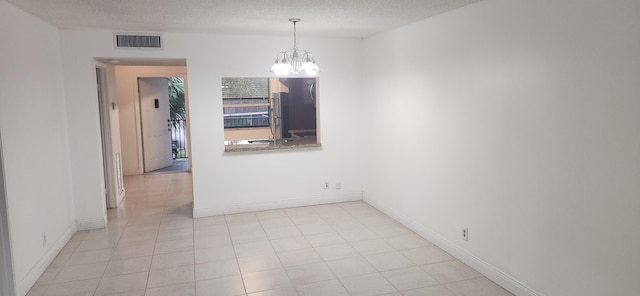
[(294, 61)]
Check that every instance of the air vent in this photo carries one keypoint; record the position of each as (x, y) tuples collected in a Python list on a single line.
[(144, 41)]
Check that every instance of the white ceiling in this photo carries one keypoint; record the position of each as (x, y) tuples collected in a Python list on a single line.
[(325, 18)]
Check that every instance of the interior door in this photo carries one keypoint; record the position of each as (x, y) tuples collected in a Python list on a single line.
[(154, 115)]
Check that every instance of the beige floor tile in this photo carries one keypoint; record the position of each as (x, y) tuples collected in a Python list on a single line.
[(87, 257), (214, 254), (48, 276), (98, 243), (226, 286), (248, 236), (125, 266), (429, 291), (357, 234), (330, 287), (206, 242), (161, 261), (131, 293), (367, 285), (370, 247), (174, 246), (259, 263), (187, 289), (171, 276), (282, 232), (77, 288), (299, 257), (309, 273), (477, 287), (311, 218), (325, 239), (175, 234), (339, 251), (140, 250), (81, 272), (351, 267), (122, 283), (407, 241), (451, 271), (388, 261), (37, 290), (217, 269), (266, 280), (254, 249), (427, 255), (409, 278), (290, 244), (287, 291), (315, 228)]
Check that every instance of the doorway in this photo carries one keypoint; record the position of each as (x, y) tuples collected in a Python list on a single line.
[(6, 266), (154, 120), (163, 124)]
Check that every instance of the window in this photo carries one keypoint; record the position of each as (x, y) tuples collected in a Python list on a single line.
[(269, 110), (245, 102)]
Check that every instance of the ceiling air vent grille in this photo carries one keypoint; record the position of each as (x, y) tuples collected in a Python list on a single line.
[(138, 41)]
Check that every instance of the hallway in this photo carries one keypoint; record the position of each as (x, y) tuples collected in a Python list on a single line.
[(153, 247)]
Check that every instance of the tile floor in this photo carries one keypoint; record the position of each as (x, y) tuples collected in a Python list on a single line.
[(153, 247)]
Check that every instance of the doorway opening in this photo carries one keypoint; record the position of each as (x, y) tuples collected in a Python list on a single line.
[(163, 122)]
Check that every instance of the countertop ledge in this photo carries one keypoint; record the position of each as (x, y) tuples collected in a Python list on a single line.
[(268, 147)]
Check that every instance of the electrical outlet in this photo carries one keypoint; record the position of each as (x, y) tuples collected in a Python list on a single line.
[(338, 185), (326, 184), (465, 234), (44, 239)]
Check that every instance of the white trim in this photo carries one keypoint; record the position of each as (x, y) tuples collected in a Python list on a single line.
[(271, 205), (7, 280), (24, 285), (485, 268), (96, 223)]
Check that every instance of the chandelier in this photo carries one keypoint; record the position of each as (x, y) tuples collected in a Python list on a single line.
[(295, 61)]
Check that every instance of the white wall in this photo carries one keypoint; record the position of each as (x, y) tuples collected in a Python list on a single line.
[(34, 143), (126, 78), (221, 182), (518, 120)]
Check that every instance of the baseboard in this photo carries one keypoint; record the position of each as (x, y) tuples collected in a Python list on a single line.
[(485, 268), (272, 205), (96, 223), (23, 286), (130, 172)]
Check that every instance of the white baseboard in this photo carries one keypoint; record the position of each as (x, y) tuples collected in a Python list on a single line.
[(95, 223), (23, 286), (272, 205), (485, 268)]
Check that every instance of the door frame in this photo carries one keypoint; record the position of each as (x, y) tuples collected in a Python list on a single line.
[(105, 134), (7, 282)]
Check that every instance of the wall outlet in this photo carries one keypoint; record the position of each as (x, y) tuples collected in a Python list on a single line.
[(326, 184), (465, 234), (338, 185), (44, 239)]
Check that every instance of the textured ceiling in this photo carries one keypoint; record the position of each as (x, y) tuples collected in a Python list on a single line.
[(336, 18)]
